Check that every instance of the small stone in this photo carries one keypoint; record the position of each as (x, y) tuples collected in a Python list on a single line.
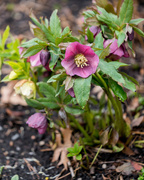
[(15, 137), (18, 148), (1, 128), (33, 137), (104, 166), (41, 143), (11, 143), (5, 153)]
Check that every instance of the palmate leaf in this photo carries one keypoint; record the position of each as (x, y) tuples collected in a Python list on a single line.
[(126, 11), (82, 90), (33, 50)]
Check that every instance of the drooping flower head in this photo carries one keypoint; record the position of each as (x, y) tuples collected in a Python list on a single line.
[(45, 59), (38, 121), (115, 51), (25, 88), (80, 60)]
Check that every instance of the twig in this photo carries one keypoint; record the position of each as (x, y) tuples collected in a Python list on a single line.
[(69, 173), (31, 169)]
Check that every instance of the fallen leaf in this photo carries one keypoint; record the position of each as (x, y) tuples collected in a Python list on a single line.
[(137, 121), (114, 137), (136, 166), (125, 169), (8, 95), (128, 151), (14, 113), (61, 149), (104, 136)]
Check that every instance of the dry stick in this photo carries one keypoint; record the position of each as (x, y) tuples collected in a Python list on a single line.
[(69, 173), (31, 168)]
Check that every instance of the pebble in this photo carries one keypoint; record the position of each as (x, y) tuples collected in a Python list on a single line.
[(41, 143), (104, 166), (1, 128), (5, 153), (11, 143), (15, 137), (33, 137), (18, 148)]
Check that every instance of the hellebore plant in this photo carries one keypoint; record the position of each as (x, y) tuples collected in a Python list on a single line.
[(76, 66)]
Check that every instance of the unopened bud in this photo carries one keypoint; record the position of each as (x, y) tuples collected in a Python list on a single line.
[(130, 35), (12, 75), (25, 88), (44, 57)]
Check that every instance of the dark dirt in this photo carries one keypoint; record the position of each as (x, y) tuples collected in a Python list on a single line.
[(20, 146)]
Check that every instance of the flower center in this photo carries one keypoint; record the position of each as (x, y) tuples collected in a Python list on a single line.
[(80, 60)]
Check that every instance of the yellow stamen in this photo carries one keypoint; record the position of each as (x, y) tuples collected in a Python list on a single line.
[(80, 60)]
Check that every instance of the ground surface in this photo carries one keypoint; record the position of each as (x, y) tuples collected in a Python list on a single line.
[(22, 149)]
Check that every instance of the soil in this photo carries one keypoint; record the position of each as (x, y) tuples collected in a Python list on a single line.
[(22, 148)]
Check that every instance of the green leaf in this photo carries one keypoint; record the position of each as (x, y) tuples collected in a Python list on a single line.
[(5, 36), (110, 19), (35, 20), (48, 33), (98, 44), (73, 110), (106, 5), (117, 90), (82, 90), (111, 71), (56, 77), (34, 103), (30, 43), (126, 11), (79, 157), (136, 21), (105, 52), (130, 78), (55, 26), (15, 177), (53, 61), (70, 154), (49, 102), (130, 46), (90, 36), (137, 30), (5, 79), (39, 34), (118, 64), (121, 37), (46, 89), (14, 65), (33, 50), (129, 84)]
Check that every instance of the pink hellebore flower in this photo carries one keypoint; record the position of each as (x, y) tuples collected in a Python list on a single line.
[(38, 121), (34, 60), (80, 60), (115, 51)]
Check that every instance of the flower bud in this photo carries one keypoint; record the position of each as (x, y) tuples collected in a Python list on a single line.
[(45, 58), (38, 121), (12, 75), (130, 35), (25, 88)]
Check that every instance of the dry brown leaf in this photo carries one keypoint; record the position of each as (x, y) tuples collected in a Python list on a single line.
[(8, 95), (136, 166), (137, 121), (125, 169), (128, 151), (61, 149)]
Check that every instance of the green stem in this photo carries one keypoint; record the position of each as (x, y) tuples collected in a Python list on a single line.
[(95, 156), (79, 126), (117, 107)]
